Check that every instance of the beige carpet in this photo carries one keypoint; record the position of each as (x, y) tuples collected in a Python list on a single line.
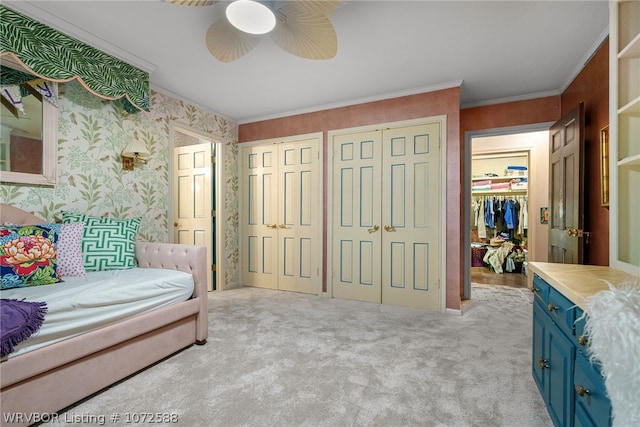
[(286, 359)]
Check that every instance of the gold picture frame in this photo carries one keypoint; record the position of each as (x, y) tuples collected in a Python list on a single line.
[(604, 166)]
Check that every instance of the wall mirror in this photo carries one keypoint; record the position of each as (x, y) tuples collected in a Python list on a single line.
[(29, 138)]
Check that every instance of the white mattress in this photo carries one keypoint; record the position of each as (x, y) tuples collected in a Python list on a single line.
[(81, 304)]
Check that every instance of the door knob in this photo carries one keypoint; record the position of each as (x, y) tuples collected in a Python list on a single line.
[(175, 224), (374, 229), (574, 232), (390, 228), (271, 225), (282, 226)]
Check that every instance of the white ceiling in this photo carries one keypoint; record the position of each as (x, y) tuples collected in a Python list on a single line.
[(500, 51)]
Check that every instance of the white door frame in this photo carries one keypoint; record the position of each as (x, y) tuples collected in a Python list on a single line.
[(218, 179), (442, 120), (287, 139)]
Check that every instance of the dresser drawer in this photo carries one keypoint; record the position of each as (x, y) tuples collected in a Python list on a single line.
[(590, 391), (562, 311), (540, 290), (581, 337)]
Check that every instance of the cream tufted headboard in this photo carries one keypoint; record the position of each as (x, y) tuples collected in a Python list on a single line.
[(15, 215)]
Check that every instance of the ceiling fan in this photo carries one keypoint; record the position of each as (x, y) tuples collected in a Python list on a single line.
[(302, 28)]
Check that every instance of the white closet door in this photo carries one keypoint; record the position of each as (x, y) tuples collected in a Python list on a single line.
[(356, 251), (410, 236), (259, 264), (386, 237), (298, 217), (282, 218)]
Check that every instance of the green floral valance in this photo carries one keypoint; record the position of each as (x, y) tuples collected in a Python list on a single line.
[(54, 56)]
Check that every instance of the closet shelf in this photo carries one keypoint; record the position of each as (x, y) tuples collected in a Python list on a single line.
[(498, 192), (497, 178)]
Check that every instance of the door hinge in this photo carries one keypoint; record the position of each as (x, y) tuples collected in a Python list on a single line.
[(213, 159), (213, 213), (213, 267)]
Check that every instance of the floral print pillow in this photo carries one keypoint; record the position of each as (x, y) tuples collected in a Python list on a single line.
[(28, 256)]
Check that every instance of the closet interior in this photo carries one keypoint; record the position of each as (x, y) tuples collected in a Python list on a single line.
[(499, 218)]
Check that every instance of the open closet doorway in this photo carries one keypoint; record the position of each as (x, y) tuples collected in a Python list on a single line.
[(196, 194), (506, 191)]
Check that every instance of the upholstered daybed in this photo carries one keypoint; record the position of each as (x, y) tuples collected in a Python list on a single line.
[(48, 379)]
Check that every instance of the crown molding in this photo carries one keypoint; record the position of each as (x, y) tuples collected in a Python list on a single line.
[(33, 11), (373, 98), (516, 98)]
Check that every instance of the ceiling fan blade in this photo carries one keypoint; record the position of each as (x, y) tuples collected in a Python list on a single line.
[(304, 32), (325, 7), (227, 43), (193, 2)]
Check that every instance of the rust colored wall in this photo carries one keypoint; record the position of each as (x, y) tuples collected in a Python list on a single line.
[(592, 87), (508, 114), (442, 102)]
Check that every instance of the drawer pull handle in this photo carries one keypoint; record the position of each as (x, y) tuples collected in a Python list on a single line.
[(581, 390), (535, 290), (543, 363), (551, 307), (582, 340)]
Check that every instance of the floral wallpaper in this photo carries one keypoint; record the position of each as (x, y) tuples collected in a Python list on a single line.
[(92, 133)]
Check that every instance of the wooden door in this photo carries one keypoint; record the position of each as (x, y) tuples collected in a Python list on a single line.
[(299, 259), (566, 188), (193, 223), (386, 222), (259, 203), (281, 229), (410, 216), (357, 216)]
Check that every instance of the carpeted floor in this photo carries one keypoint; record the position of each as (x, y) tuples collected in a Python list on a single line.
[(285, 359)]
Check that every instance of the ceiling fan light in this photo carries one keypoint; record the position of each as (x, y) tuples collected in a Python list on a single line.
[(251, 17)]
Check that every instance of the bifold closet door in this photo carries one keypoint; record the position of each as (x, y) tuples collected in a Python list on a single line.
[(357, 184), (281, 230), (410, 230), (260, 205), (298, 216), (385, 245)]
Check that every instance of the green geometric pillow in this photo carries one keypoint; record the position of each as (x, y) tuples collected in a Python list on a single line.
[(107, 243)]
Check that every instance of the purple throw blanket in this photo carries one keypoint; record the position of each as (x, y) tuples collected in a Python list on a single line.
[(18, 321)]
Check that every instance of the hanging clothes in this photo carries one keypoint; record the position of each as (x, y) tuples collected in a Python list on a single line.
[(489, 215), (510, 216), (480, 219)]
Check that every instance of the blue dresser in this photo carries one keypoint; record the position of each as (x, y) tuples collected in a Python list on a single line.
[(571, 386)]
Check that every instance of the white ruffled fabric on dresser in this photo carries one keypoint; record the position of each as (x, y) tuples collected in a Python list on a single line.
[(613, 326)]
